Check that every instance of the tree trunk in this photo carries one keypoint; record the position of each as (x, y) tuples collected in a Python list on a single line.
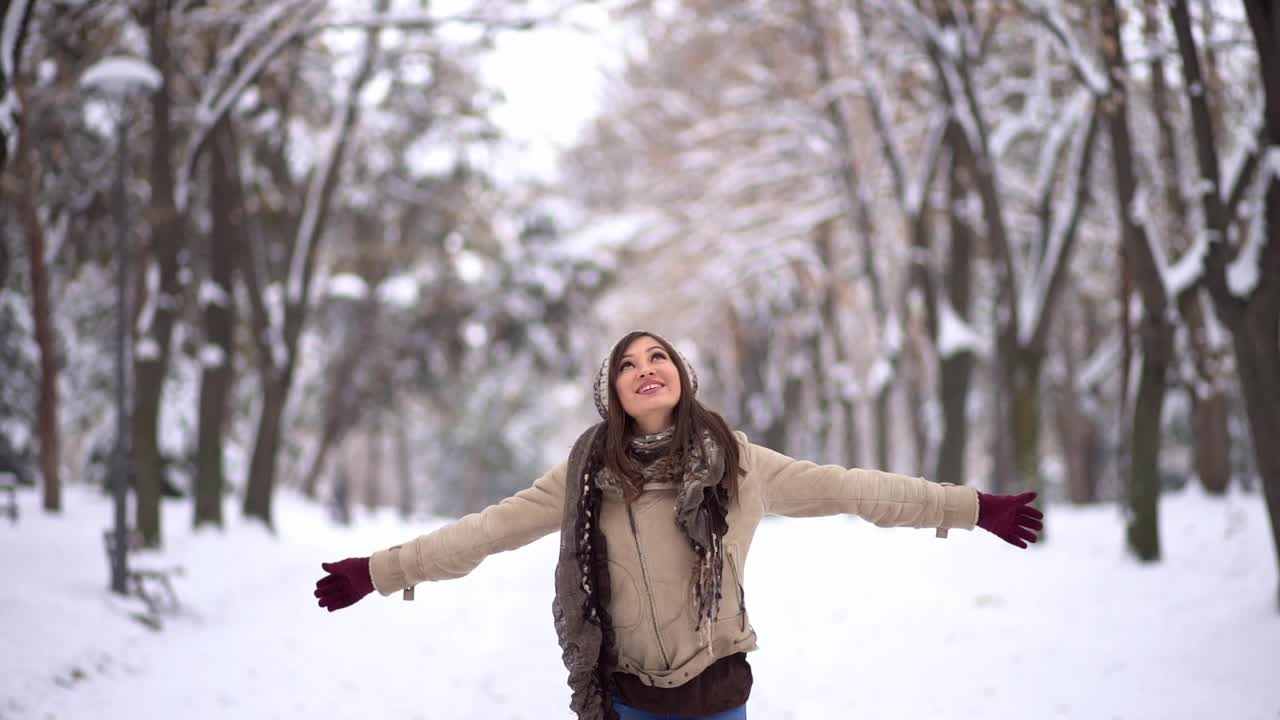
[(1002, 457), (822, 413), (1253, 318), (1212, 441), (404, 467), (918, 406), (1257, 335), (342, 407), (1258, 359), (1073, 436), (373, 462), (954, 392), (1213, 86), (757, 408), (152, 355), (1077, 431), (328, 437), (833, 396), (852, 440), (42, 321), (262, 465), (956, 367), (1144, 470), (1156, 331), (884, 447), (792, 414), (217, 356), (1024, 383), (1026, 355)]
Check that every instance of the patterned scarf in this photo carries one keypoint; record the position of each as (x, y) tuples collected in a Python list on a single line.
[(700, 508)]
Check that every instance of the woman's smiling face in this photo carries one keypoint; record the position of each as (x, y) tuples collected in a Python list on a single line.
[(648, 384)]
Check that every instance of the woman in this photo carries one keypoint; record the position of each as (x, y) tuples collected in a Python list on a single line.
[(649, 608)]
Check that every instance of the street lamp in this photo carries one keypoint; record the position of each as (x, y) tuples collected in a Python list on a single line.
[(117, 79)]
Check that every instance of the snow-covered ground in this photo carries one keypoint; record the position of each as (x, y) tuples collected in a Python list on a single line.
[(854, 622)]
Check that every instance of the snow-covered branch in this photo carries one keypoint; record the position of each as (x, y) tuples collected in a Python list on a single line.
[(323, 178), (924, 30), (427, 21), (935, 141), (1037, 302), (12, 31), (1185, 273), (888, 141), (1099, 365), (1244, 271), (954, 334), (1051, 149), (1240, 167), (233, 55), (121, 76), (305, 18), (215, 103), (1093, 78)]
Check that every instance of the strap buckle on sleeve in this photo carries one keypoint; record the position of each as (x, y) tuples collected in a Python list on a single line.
[(942, 532)]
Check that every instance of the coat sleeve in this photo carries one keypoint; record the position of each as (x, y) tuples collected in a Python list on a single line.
[(456, 549), (798, 488)]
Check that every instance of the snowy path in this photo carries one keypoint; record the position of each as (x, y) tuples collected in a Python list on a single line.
[(901, 626)]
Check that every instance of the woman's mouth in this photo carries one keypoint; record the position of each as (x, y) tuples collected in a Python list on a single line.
[(649, 389)]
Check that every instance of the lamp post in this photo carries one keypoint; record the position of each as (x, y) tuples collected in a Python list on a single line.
[(117, 79)]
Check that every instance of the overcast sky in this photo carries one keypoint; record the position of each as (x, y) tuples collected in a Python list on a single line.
[(552, 79)]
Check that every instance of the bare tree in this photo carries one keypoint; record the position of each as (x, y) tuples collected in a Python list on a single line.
[(217, 356), (1031, 281), (160, 310), (858, 218), (22, 185), (278, 341), (1156, 331), (944, 288), (1205, 381), (1242, 274)]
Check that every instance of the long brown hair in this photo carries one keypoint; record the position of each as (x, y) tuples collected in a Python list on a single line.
[(692, 418)]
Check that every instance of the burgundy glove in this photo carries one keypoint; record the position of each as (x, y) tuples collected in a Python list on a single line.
[(1010, 517), (348, 581)]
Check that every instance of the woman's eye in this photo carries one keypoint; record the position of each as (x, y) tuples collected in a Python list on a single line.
[(625, 364), (659, 356)]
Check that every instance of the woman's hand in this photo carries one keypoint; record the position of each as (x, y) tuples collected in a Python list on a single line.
[(1010, 517), (348, 581)]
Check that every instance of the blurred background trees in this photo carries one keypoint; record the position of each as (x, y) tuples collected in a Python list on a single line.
[(1023, 244)]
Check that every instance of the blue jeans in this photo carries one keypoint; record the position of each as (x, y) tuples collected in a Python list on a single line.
[(626, 712)]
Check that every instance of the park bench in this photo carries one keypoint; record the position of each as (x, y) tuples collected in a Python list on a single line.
[(150, 583), (9, 495)]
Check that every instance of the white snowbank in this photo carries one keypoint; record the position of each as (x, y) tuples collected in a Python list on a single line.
[(854, 622)]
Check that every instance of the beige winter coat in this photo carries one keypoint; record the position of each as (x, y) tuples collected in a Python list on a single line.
[(649, 557)]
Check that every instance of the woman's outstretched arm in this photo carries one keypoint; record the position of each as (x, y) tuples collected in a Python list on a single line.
[(799, 488), (456, 549), (450, 551)]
